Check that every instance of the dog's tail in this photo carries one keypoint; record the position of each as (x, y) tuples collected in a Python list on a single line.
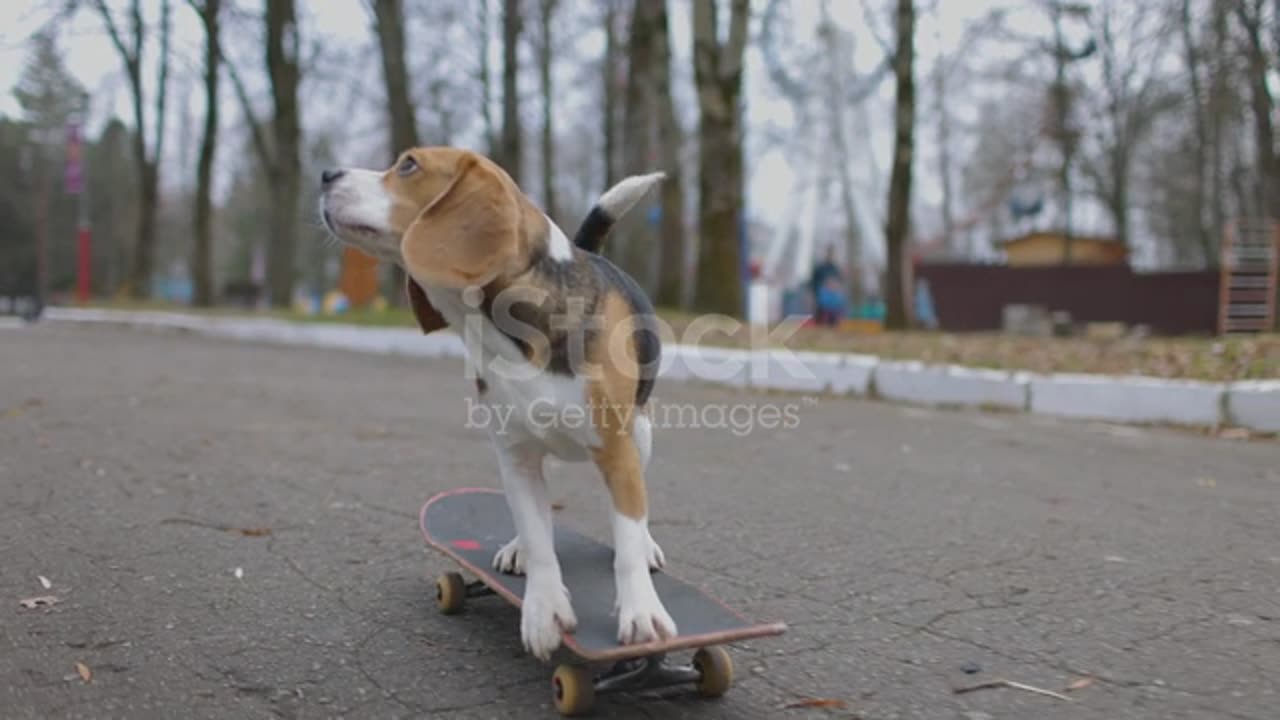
[(610, 208)]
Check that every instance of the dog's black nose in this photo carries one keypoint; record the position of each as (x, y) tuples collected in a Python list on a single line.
[(328, 177)]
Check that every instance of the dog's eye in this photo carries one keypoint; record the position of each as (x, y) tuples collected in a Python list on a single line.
[(408, 166)]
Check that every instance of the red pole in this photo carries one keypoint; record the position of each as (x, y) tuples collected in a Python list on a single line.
[(83, 263)]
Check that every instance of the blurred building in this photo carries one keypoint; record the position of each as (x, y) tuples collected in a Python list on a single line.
[(1050, 248)]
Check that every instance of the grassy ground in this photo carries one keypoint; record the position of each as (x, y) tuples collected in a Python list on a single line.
[(1236, 358)]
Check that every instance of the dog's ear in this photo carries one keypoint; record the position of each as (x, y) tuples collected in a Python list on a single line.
[(429, 319), (469, 233)]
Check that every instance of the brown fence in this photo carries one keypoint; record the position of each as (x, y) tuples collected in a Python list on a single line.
[(972, 297)]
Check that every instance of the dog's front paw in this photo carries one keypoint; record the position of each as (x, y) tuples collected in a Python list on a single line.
[(547, 612), (642, 618), (509, 558)]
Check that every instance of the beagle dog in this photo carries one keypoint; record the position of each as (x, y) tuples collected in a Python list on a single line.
[(562, 345)]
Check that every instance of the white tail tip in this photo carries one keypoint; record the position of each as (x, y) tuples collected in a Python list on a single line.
[(620, 198)]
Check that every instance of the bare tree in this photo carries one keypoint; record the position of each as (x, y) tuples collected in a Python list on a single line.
[(634, 248), (283, 48), (131, 50), (1200, 122), (281, 155), (897, 230), (202, 255), (717, 71), (1130, 98), (388, 20), (510, 153), (547, 9), (1249, 14), (484, 73), (670, 140), (389, 25), (609, 113)]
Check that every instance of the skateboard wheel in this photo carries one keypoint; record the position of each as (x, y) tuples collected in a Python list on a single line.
[(451, 592), (573, 690), (715, 671)]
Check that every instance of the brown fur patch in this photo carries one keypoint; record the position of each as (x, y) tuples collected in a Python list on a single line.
[(612, 398)]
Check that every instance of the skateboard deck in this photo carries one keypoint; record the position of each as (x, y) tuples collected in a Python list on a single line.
[(471, 524)]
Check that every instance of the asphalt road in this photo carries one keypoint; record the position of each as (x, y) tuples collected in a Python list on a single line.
[(900, 545)]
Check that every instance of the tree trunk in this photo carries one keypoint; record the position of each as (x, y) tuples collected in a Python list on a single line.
[(283, 46), (633, 250), (486, 85), (609, 115), (897, 230), (718, 77), (943, 109), (510, 155), (670, 139), (1260, 103), (139, 283), (202, 258), (145, 250), (389, 21), (548, 8), (1200, 123), (1220, 80)]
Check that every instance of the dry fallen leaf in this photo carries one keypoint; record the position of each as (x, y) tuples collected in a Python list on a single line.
[(32, 603), (85, 673), (44, 582), (557, 505), (1079, 684), (828, 703)]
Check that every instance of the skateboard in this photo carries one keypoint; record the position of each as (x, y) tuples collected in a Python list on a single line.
[(470, 524)]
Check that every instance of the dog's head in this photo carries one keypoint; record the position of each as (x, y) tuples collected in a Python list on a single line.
[(453, 218)]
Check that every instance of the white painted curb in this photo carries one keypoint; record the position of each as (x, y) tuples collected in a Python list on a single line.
[(1133, 399), (1255, 404), (854, 375), (915, 382), (721, 366)]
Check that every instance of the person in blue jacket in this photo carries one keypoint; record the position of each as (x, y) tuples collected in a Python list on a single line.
[(826, 284)]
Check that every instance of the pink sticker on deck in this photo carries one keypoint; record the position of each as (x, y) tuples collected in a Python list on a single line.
[(466, 544)]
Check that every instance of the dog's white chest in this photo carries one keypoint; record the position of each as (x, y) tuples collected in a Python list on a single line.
[(549, 408), (524, 402)]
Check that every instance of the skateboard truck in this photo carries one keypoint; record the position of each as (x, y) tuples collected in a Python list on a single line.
[(574, 687), (646, 673)]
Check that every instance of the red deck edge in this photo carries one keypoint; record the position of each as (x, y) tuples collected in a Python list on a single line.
[(622, 652)]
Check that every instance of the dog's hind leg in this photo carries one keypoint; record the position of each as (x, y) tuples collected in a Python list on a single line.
[(642, 434), (641, 614)]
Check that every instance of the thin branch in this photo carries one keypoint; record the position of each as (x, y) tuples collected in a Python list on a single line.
[(113, 32), (255, 127), (162, 95)]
